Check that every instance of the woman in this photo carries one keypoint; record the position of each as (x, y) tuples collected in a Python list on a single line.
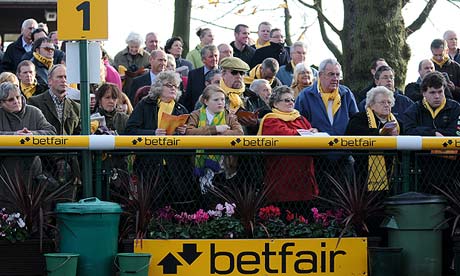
[(173, 170), (303, 77), (212, 119), (107, 97), (18, 118), (124, 104), (287, 178), (206, 38), (376, 120), (174, 47), (9, 77)]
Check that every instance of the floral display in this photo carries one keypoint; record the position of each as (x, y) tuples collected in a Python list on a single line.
[(222, 223), (12, 226)]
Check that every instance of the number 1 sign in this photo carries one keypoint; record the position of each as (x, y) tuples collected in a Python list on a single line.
[(83, 20)]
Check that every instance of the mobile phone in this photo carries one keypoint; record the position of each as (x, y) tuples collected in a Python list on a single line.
[(390, 124), (446, 76)]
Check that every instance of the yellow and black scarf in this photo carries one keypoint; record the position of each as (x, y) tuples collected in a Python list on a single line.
[(445, 58), (377, 170), (48, 62), (233, 95), (258, 45), (434, 113), (284, 116), (255, 74), (29, 89)]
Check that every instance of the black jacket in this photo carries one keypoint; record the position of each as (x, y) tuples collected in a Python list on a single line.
[(144, 119), (359, 125), (274, 50), (12, 56), (195, 87), (245, 55), (417, 120)]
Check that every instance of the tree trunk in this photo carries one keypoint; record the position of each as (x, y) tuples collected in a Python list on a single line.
[(287, 24), (182, 12), (373, 29)]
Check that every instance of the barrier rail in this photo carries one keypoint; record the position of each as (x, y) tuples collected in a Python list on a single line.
[(108, 142)]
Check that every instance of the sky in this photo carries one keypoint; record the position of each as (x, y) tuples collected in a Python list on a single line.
[(143, 16)]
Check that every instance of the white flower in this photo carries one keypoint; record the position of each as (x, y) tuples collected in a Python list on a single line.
[(230, 209), (219, 207), (21, 223)]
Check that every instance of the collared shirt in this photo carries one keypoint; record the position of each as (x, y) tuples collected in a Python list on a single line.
[(59, 104), (152, 77), (27, 47)]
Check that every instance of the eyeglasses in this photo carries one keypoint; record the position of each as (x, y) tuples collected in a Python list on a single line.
[(384, 103), (49, 49), (288, 100), (15, 98), (170, 85), (332, 74), (235, 72)]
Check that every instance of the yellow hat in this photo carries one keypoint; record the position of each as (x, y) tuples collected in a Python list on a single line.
[(234, 63)]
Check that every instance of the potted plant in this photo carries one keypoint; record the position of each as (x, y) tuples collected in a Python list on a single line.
[(31, 224)]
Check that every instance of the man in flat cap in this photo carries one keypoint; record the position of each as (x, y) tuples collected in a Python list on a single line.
[(238, 97)]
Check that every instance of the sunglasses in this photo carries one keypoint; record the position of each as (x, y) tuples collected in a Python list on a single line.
[(290, 100), (235, 72)]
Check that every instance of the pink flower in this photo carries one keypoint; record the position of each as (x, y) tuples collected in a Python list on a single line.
[(230, 209)]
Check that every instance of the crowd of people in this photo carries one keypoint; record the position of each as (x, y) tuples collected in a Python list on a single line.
[(240, 88)]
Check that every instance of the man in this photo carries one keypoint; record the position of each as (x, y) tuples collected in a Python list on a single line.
[(261, 90), (58, 55), (266, 70), (241, 48), (275, 50), (384, 76), (17, 49), (151, 42), (61, 112), (225, 50), (196, 77), (374, 66), (298, 52), (43, 52), (412, 89), (454, 52), (263, 31), (27, 82), (157, 60), (443, 63), (54, 37), (434, 115), (328, 106)]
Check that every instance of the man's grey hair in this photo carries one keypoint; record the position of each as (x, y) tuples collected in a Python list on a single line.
[(379, 90), (298, 44), (134, 38), (206, 49), (446, 34), (27, 22), (6, 88), (164, 77), (270, 63), (326, 62), (255, 85)]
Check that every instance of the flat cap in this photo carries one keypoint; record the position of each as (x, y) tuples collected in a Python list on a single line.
[(234, 63)]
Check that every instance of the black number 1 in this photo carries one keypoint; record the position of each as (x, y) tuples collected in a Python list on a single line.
[(84, 6)]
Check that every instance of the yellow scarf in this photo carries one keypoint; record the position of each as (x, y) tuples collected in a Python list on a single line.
[(333, 96), (29, 89), (255, 74), (48, 62), (284, 116), (434, 113), (445, 58), (258, 45), (377, 170), (234, 96), (166, 108)]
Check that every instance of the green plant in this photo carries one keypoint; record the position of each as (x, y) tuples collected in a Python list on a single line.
[(359, 204), (452, 194), (33, 198)]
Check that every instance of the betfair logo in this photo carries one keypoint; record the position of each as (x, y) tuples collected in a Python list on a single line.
[(255, 142), (449, 142), (352, 142), (170, 262), (157, 141), (44, 141)]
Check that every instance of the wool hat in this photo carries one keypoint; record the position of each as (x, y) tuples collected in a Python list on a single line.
[(234, 63)]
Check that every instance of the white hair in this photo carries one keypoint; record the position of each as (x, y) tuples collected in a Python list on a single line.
[(134, 38)]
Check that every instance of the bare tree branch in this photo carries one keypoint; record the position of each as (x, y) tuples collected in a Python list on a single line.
[(322, 17), (417, 24), (212, 23), (287, 21)]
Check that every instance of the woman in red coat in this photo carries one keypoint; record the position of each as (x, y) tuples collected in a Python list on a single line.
[(288, 178)]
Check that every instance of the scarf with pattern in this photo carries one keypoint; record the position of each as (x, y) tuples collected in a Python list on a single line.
[(48, 62)]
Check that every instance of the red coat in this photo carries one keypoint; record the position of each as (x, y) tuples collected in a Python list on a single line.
[(290, 178)]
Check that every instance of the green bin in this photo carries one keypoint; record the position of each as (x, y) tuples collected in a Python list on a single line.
[(90, 228), (415, 216)]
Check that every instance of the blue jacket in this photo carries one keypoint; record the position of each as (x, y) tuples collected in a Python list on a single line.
[(402, 103), (311, 106)]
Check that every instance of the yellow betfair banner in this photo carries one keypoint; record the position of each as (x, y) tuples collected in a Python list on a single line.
[(447, 143), (256, 257), (254, 142), (41, 141)]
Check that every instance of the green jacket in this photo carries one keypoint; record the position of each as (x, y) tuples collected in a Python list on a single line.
[(194, 56)]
